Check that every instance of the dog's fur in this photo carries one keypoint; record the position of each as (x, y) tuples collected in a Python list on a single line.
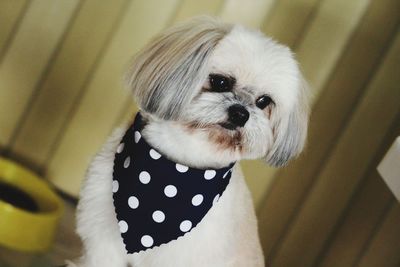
[(186, 121)]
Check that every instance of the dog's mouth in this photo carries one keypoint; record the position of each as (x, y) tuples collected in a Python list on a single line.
[(226, 136), (216, 126), (228, 126)]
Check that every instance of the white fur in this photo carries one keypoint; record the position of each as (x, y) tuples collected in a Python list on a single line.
[(227, 236)]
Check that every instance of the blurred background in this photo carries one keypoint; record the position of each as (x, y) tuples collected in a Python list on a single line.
[(61, 63)]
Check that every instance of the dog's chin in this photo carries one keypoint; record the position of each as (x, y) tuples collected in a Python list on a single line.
[(234, 140), (224, 136)]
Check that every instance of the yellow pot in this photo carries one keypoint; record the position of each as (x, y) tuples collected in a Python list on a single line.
[(21, 229)]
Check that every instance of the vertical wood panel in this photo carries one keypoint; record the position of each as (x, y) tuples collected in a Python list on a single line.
[(88, 36), (346, 166), (104, 98), (28, 55), (250, 13), (190, 8), (365, 211), (127, 114), (326, 38), (364, 214), (10, 12), (383, 250), (347, 82), (288, 19), (259, 175)]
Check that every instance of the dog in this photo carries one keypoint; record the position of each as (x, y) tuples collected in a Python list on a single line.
[(210, 94)]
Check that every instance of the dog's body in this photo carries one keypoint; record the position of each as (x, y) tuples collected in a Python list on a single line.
[(227, 236), (210, 95)]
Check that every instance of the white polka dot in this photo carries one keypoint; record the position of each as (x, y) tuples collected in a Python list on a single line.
[(216, 198), (181, 168), (227, 172), (123, 226), (115, 186), (197, 199), (147, 241), (185, 226), (209, 174), (158, 216), (144, 177), (127, 162), (120, 148), (137, 137), (170, 191), (154, 154), (133, 202)]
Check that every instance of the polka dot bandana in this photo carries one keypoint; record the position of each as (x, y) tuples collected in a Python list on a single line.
[(157, 200)]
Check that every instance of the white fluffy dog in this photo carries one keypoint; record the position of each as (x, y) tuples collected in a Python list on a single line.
[(210, 94)]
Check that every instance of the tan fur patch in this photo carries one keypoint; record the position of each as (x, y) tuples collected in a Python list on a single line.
[(268, 111), (224, 139)]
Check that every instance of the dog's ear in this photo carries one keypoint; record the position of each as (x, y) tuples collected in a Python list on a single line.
[(171, 69), (290, 130)]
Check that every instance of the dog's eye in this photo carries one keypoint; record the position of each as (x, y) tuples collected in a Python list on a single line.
[(219, 83), (264, 101)]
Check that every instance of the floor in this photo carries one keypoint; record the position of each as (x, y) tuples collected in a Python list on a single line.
[(66, 246)]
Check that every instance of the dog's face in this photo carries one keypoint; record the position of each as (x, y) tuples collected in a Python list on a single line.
[(234, 87)]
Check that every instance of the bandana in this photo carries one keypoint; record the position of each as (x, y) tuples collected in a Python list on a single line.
[(157, 200)]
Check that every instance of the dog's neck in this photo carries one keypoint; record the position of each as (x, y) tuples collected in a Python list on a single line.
[(190, 148)]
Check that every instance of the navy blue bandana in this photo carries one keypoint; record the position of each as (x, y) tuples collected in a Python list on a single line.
[(157, 200)]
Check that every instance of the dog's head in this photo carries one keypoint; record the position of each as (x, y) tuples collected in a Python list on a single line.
[(237, 90)]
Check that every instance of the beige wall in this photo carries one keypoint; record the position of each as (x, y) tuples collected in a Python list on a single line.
[(60, 96)]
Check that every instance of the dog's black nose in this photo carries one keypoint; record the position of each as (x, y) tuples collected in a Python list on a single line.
[(238, 115)]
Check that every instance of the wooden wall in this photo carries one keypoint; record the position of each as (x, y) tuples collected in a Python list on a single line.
[(61, 63)]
